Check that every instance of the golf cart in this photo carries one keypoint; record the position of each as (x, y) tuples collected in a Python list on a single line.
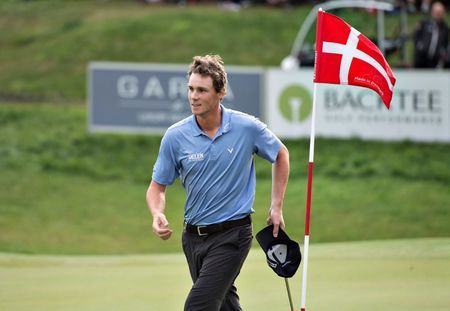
[(302, 53)]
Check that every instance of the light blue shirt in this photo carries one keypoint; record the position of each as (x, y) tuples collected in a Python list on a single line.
[(218, 174)]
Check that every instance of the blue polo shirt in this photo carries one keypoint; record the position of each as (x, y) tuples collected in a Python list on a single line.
[(218, 174)]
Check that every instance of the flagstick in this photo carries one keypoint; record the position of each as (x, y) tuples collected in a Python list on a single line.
[(308, 200)]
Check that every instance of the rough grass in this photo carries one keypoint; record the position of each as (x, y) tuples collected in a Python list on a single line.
[(63, 190), (53, 138)]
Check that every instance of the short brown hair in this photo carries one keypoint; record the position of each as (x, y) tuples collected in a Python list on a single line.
[(212, 66)]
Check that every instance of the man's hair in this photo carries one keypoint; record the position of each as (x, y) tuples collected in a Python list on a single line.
[(212, 66)]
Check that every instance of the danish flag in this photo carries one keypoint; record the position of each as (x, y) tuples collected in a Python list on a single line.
[(345, 56)]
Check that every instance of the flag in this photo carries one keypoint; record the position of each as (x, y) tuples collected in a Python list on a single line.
[(345, 56)]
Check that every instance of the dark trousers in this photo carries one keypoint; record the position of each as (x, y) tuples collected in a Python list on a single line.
[(214, 263)]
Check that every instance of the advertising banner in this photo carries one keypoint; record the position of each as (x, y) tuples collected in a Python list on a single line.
[(420, 109), (127, 97)]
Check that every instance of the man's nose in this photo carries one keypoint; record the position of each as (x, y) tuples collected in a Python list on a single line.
[(194, 94)]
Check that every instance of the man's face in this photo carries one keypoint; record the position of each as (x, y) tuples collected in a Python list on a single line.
[(203, 98), (438, 11)]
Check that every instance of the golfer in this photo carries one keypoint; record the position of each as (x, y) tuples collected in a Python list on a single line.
[(212, 152)]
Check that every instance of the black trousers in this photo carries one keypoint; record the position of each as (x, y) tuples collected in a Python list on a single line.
[(214, 263)]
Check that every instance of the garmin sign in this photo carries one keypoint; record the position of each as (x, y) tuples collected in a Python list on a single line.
[(420, 109), (126, 97)]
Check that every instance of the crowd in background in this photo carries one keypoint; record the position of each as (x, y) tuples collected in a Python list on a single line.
[(413, 6)]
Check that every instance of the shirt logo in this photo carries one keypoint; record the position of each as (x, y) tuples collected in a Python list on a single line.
[(230, 150), (196, 157)]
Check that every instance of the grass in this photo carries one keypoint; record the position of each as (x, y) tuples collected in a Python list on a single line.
[(394, 275), (64, 191), (63, 214), (47, 44), (53, 138)]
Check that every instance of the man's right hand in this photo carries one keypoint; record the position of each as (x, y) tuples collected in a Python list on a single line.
[(161, 226)]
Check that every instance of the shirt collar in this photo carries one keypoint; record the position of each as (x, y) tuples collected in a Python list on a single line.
[(225, 126)]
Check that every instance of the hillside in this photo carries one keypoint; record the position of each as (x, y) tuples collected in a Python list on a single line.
[(47, 44)]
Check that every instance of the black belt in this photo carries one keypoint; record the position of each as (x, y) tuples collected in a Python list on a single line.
[(215, 228)]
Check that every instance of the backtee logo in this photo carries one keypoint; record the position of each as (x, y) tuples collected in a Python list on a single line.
[(295, 103)]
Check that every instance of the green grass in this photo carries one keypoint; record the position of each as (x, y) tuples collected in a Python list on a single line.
[(47, 44), (65, 214), (53, 138), (64, 191), (399, 275)]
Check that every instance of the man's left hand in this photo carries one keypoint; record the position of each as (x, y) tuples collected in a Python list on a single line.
[(276, 219)]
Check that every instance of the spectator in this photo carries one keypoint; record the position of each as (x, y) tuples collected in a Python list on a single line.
[(425, 6), (411, 6), (431, 39)]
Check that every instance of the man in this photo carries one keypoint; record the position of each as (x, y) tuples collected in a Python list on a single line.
[(431, 39), (212, 153)]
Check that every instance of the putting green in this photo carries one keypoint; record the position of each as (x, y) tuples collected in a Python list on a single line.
[(389, 275)]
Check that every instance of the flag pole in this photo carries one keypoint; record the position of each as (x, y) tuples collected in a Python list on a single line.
[(308, 200)]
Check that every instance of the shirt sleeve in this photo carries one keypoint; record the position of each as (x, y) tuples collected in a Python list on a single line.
[(165, 170), (267, 145)]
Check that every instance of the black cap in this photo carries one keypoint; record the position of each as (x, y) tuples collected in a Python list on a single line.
[(283, 254)]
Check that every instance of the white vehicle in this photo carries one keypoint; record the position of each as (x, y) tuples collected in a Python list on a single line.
[(302, 53)]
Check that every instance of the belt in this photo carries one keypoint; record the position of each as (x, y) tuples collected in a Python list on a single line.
[(215, 228)]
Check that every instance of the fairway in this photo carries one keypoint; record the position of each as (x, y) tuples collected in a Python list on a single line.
[(389, 275)]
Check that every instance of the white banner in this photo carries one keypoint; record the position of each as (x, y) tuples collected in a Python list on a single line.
[(420, 107)]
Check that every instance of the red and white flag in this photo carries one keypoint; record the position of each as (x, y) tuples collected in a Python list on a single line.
[(345, 56)]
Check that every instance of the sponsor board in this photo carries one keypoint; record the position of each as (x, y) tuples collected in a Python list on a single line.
[(131, 97), (420, 109)]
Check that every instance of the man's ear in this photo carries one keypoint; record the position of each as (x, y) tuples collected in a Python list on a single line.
[(223, 93)]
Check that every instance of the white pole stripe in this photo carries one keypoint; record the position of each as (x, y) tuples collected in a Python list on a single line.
[(313, 126), (305, 270), (348, 52)]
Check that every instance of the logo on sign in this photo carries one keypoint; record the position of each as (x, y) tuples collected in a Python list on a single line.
[(295, 103)]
